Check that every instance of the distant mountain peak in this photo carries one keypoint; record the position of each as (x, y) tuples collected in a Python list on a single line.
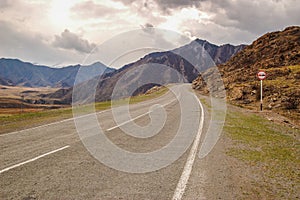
[(204, 42), (171, 58)]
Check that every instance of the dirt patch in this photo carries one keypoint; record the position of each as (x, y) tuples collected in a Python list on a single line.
[(14, 97)]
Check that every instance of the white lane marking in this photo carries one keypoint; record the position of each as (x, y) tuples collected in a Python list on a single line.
[(33, 159), (50, 124), (190, 161), (65, 120), (132, 119)]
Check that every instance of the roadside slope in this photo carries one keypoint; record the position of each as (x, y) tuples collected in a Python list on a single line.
[(278, 53)]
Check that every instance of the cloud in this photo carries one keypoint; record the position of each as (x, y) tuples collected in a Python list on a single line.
[(148, 25), (32, 24), (257, 17), (226, 21), (33, 47), (148, 28), (89, 9), (68, 40), (171, 4), (165, 5), (219, 34), (4, 4)]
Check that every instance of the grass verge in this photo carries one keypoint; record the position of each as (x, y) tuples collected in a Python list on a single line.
[(15, 122), (271, 149)]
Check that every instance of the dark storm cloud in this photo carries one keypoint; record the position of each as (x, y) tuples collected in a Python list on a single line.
[(165, 5), (68, 40), (254, 16)]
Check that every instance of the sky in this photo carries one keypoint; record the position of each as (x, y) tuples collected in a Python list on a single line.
[(62, 32)]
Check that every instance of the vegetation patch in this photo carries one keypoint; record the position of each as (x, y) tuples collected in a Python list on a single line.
[(13, 122), (272, 149)]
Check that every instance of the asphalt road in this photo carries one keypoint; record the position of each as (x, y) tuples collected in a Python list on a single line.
[(51, 162)]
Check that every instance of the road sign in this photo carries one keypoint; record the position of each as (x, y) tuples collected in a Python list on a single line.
[(262, 75)]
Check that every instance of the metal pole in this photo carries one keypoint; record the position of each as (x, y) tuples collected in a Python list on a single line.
[(261, 95)]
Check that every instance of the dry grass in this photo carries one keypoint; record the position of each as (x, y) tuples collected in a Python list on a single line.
[(272, 149), (15, 92), (13, 120)]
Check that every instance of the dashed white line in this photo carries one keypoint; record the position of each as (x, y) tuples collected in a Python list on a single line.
[(132, 119), (58, 122), (33, 159), (190, 160)]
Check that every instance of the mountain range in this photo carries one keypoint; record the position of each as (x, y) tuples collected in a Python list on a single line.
[(17, 73), (14, 72), (277, 53), (172, 59)]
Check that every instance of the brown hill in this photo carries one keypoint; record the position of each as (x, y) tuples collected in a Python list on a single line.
[(278, 53)]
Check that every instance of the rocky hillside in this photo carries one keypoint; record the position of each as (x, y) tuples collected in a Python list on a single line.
[(278, 53), (219, 54)]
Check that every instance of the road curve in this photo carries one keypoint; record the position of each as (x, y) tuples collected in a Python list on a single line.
[(51, 162)]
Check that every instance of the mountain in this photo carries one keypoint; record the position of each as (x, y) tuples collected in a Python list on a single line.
[(172, 59), (219, 54), (27, 74), (4, 81), (278, 53)]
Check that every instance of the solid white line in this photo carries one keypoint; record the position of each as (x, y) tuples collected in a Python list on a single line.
[(33, 159), (132, 119), (190, 161)]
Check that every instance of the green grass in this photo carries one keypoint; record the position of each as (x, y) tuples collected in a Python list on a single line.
[(14, 122), (266, 145), (205, 103), (293, 68), (18, 121)]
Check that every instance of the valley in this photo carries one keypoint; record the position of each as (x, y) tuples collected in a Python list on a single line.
[(64, 135)]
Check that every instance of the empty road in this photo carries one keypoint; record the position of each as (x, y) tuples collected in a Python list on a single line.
[(51, 161)]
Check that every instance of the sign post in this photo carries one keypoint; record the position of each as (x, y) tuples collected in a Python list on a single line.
[(261, 76)]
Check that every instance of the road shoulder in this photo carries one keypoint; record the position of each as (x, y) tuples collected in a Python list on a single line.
[(240, 169)]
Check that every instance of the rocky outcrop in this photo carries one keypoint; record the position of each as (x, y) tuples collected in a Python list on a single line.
[(278, 53)]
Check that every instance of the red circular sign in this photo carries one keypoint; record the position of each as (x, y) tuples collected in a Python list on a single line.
[(262, 75)]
